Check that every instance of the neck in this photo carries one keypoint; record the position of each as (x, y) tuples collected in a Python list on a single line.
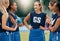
[(38, 11), (58, 12), (12, 11)]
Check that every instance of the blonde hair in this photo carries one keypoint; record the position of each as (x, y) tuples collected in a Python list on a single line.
[(2, 8)]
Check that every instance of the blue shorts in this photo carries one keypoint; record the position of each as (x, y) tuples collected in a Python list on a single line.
[(36, 35), (58, 36), (15, 36), (54, 36), (50, 37), (5, 37), (1, 38)]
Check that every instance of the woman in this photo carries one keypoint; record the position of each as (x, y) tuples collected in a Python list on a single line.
[(55, 28), (37, 20), (14, 20), (4, 24)]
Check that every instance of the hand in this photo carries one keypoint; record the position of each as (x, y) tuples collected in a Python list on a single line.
[(15, 28), (20, 24), (50, 28), (41, 27), (46, 28), (48, 21), (30, 27)]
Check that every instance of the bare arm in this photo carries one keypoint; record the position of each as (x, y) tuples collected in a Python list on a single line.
[(12, 19), (48, 21), (54, 28), (4, 19), (26, 19), (43, 28)]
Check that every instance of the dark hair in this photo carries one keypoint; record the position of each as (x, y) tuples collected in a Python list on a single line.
[(58, 6), (52, 2), (11, 3)]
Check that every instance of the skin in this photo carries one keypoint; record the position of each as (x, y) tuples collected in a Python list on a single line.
[(5, 3), (13, 9), (37, 10), (55, 9)]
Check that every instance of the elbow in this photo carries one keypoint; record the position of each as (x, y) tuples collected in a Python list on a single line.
[(24, 21), (3, 27)]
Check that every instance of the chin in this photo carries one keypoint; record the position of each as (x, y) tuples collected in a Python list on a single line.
[(35, 9)]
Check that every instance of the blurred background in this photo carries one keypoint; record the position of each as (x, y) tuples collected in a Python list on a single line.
[(26, 6)]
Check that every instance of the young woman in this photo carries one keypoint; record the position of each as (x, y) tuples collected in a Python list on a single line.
[(37, 20), (14, 20), (4, 24), (55, 28)]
